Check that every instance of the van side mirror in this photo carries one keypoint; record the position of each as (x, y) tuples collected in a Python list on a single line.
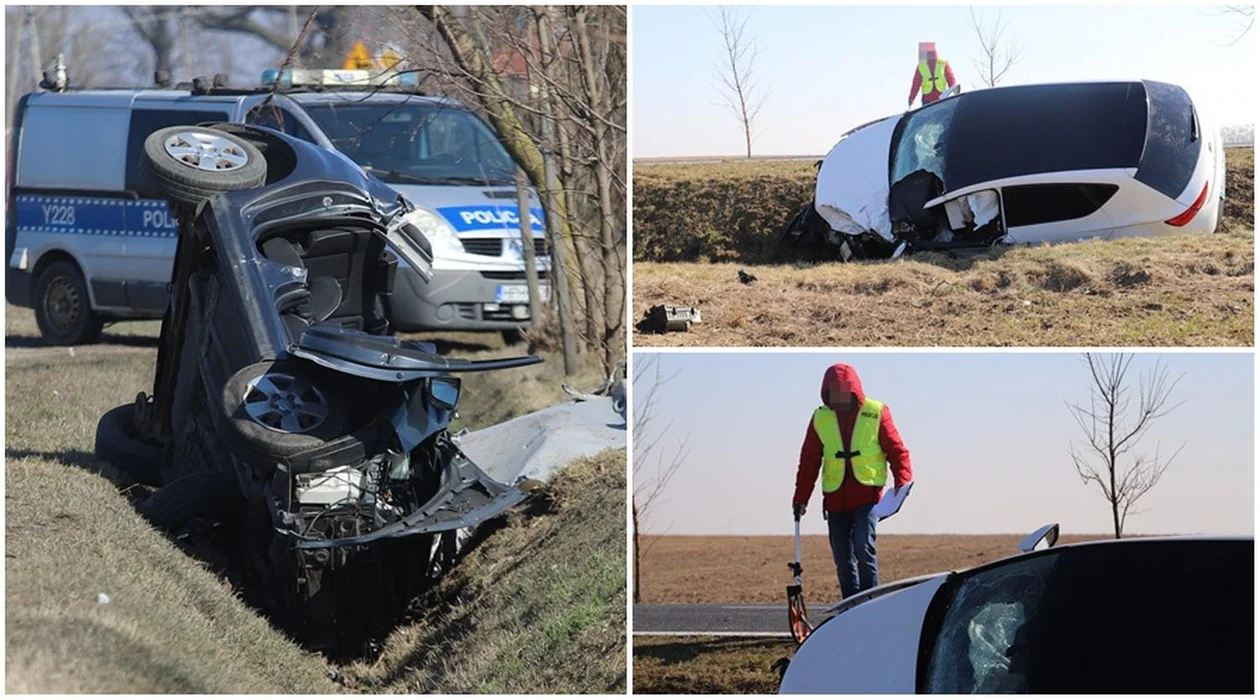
[(1043, 538)]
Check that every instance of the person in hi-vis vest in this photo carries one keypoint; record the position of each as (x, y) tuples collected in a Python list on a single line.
[(851, 439), (932, 76)]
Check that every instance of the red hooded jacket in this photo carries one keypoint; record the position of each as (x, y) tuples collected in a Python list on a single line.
[(851, 494)]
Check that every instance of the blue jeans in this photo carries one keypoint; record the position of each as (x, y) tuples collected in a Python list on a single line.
[(852, 535)]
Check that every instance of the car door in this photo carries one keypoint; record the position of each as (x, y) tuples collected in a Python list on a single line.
[(150, 225)]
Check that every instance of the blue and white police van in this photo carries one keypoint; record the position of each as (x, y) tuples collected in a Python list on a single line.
[(88, 243)]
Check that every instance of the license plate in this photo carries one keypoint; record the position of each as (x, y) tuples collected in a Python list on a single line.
[(519, 293)]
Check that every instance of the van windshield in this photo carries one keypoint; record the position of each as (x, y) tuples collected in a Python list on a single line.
[(416, 143)]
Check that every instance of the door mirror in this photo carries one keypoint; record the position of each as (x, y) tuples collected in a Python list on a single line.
[(1044, 538), (444, 391)]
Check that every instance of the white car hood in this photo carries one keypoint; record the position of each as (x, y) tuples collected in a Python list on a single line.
[(871, 648), (852, 190)]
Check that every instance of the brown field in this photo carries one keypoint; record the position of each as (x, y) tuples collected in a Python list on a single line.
[(737, 569), (694, 229)]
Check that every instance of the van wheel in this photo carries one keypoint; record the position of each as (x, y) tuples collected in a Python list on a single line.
[(512, 336), (63, 308), (190, 164)]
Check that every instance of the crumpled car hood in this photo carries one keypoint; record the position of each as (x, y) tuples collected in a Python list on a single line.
[(852, 190)]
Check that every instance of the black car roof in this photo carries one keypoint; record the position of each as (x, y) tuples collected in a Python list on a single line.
[(1029, 129)]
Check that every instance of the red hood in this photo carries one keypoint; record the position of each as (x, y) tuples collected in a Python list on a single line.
[(838, 372)]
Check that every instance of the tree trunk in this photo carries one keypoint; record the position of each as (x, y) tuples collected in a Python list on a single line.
[(551, 185), (37, 60), (527, 247), (598, 101), (636, 596)]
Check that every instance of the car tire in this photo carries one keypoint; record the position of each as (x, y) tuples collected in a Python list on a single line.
[(204, 495), (512, 336), (1220, 215), (245, 431), (63, 309), (224, 163), (118, 444)]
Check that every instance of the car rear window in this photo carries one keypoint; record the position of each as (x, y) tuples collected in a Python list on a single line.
[(1026, 205), (1172, 140), (147, 121), (1029, 129)]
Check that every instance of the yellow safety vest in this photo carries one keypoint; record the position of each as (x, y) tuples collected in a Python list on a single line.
[(941, 84), (870, 467)]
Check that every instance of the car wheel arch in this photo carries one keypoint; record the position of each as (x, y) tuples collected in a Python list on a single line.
[(55, 255)]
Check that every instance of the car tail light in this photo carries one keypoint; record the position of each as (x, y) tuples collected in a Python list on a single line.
[(1184, 217)]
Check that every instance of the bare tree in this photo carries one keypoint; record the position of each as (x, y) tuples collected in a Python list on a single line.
[(654, 467), (1110, 455), (999, 52), (736, 73)]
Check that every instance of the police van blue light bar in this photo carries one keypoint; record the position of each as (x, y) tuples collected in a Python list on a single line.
[(330, 77)]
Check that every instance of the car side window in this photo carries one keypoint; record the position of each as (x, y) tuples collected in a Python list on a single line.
[(984, 641), (1027, 205), (275, 117), (147, 121)]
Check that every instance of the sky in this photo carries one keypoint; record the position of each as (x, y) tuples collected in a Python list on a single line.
[(1000, 469), (828, 69)]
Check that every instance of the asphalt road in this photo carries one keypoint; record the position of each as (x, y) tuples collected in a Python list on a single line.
[(721, 620)]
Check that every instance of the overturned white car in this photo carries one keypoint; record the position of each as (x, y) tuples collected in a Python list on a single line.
[(1022, 164)]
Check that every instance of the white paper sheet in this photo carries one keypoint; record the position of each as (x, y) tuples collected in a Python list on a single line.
[(891, 501)]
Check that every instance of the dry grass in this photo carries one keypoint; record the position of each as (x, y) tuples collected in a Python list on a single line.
[(731, 569), (538, 608), (1169, 291), (717, 666), (172, 625)]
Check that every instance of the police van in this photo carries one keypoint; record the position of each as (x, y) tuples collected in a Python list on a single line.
[(88, 242)]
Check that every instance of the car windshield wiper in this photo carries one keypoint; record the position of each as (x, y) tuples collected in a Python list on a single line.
[(435, 180), (399, 175)]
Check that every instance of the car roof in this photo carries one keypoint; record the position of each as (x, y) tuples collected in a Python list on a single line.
[(123, 97), (107, 97), (389, 97), (1006, 132)]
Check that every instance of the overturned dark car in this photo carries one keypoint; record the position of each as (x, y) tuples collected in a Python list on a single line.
[(1023, 164), (282, 405)]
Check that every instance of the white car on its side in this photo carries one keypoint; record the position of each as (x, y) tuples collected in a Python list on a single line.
[(1143, 615), (1022, 164)]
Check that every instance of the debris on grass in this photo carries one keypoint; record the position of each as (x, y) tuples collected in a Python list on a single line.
[(664, 318)]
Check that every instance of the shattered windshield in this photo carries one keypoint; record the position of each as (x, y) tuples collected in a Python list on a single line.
[(416, 143), (985, 642), (921, 142)]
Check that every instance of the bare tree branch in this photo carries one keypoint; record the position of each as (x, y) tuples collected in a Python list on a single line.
[(1113, 429), (999, 52)]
